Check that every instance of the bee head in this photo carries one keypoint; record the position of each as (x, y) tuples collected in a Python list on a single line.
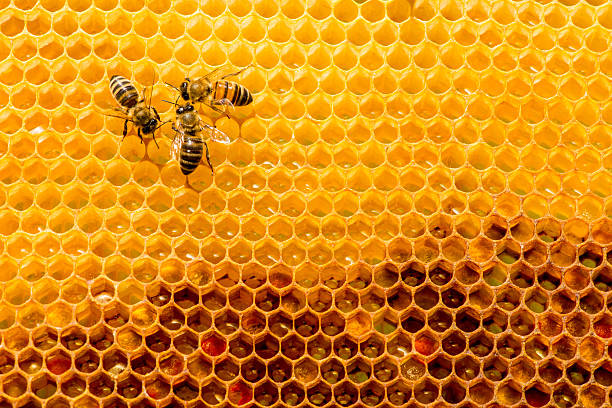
[(184, 109), (150, 126), (184, 88)]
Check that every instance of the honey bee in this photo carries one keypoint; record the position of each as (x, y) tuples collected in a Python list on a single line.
[(143, 116), (189, 144), (215, 90)]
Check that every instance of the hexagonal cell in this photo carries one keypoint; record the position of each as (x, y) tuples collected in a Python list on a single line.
[(157, 387), (440, 367), (186, 389), (426, 343), (73, 338), (495, 227), (253, 322), (332, 323), (292, 394), (30, 361), (426, 392), (564, 396), (591, 302), (578, 373), (564, 348), (58, 362), (14, 385), (129, 387), (158, 341), (590, 255), (603, 374), (399, 346), (100, 385), (399, 393), (454, 343), (158, 295), (509, 346), (345, 394), (253, 370), (87, 361), (602, 278), (44, 386), (346, 300), (240, 299), (359, 276), (440, 273), (214, 299), (143, 363), (372, 300), (186, 297), (319, 347), (227, 369), (453, 297), (73, 386), (467, 368), (440, 320), (199, 365), (306, 370), (522, 322), (386, 275), (280, 324), (199, 320), (426, 297), (266, 394), (279, 370), (495, 321), (344, 347), (549, 278), (467, 320), (537, 347), (114, 362), (508, 251), (333, 371), (116, 314), (399, 298), (563, 302), (186, 342), (308, 324), (7, 361), (241, 346), (494, 274), (44, 338), (319, 394), (413, 274), (227, 322)]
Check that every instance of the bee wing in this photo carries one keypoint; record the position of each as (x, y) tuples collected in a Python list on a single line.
[(223, 72), (175, 148), (216, 135)]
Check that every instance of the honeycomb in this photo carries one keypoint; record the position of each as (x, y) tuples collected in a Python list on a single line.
[(415, 211)]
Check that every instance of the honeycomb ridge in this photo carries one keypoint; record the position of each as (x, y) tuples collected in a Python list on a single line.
[(414, 212)]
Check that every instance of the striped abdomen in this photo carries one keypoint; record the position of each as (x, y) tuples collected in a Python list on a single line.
[(237, 94), (123, 91), (190, 153)]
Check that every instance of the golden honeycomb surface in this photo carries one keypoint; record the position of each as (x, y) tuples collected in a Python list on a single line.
[(414, 212)]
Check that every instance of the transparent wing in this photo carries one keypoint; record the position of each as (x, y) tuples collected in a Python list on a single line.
[(224, 72), (175, 148), (216, 135)]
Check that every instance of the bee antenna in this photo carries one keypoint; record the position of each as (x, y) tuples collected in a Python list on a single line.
[(170, 102), (172, 86)]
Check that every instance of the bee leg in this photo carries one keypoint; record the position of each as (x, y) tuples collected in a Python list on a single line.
[(155, 140), (140, 136), (208, 159), (124, 129), (156, 114), (213, 107)]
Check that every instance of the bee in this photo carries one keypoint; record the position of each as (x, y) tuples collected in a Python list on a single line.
[(188, 144), (133, 106), (215, 90)]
